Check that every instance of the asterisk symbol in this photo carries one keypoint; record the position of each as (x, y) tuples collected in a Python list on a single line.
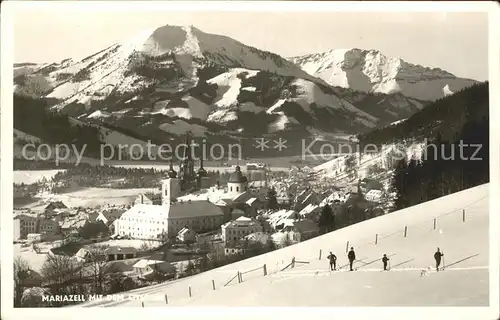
[(280, 144), (262, 144)]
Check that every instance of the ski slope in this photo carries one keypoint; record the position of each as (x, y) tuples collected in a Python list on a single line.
[(464, 282)]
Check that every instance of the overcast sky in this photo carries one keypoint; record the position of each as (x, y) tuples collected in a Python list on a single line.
[(455, 42)]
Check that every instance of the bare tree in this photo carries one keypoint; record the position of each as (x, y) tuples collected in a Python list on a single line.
[(96, 264), (62, 274), (21, 273)]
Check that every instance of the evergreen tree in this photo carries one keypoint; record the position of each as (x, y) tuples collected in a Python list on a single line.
[(399, 184), (326, 221), (272, 201)]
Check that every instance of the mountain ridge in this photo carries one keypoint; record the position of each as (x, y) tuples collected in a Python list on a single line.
[(369, 70)]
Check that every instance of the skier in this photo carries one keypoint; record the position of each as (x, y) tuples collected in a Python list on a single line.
[(437, 257), (384, 260), (333, 261), (351, 256)]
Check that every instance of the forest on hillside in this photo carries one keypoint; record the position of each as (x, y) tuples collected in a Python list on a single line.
[(456, 155), (32, 116)]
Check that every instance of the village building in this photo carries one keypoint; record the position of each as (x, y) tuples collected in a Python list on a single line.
[(186, 235), (305, 198), (302, 229), (277, 219), (109, 216), (120, 253), (107, 254), (374, 195), (284, 238), (54, 208), (239, 228), (48, 226), (254, 205), (147, 267), (72, 225), (35, 237), (311, 212), (148, 198), (24, 225), (258, 237)]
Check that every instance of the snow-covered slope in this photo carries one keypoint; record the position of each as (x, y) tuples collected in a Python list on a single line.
[(464, 282), (371, 71)]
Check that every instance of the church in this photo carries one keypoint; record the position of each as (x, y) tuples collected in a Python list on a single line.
[(176, 209)]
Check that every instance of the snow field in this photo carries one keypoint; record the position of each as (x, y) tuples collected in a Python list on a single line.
[(465, 284), (32, 176), (91, 197)]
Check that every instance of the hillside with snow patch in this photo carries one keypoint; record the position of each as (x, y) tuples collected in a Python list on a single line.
[(372, 71), (463, 282)]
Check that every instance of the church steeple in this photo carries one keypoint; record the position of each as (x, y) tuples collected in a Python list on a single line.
[(201, 171), (187, 174), (171, 172)]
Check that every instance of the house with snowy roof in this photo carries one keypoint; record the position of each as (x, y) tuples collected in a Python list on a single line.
[(148, 198), (311, 212), (109, 216), (277, 219), (147, 268), (186, 235)]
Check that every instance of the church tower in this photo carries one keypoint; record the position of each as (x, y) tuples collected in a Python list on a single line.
[(237, 182), (203, 180), (187, 175), (170, 190)]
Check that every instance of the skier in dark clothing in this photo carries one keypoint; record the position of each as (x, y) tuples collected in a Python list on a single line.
[(333, 261), (437, 257), (384, 261), (351, 256)]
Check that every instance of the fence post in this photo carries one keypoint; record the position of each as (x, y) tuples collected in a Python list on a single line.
[(463, 215), (319, 254), (434, 223), (238, 275), (142, 303), (376, 238), (406, 230), (241, 277), (190, 291), (265, 270), (213, 284), (166, 299), (293, 262), (347, 247)]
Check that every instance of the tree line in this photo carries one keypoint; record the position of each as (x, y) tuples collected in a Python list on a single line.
[(32, 116), (456, 153)]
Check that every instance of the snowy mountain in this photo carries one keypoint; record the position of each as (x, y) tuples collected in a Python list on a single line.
[(173, 79), (372, 71)]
